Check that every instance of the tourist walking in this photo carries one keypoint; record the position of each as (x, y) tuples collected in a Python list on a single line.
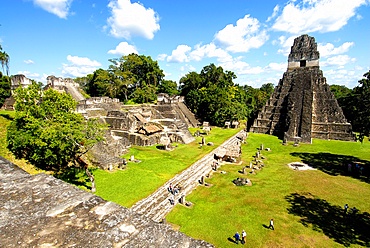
[(271, 226), (237, 237), (345, 208), (244, 236)]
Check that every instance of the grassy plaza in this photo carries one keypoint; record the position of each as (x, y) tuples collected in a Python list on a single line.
[(307, 206)]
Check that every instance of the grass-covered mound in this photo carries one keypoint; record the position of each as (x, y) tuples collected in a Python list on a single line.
[(307, 206)]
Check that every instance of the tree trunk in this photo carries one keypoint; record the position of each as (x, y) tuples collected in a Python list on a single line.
[(92, 179), (88, 173)]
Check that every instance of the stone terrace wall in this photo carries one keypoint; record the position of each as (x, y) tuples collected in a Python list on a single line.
[(42, 211)]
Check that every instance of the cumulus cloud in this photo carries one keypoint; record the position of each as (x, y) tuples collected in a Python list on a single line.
[(59, 8), (123, 48), (285, 44), (242, 37), (28, 61), (339, 60), (329, 49), (209, 51), (240, 67), (276, 10), (279, 67), (180, 54), (79, 66), (323, 16), (132, 19), (162, 57)]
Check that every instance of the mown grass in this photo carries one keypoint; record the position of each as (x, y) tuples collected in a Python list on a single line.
[(306, 205), (157, 166)]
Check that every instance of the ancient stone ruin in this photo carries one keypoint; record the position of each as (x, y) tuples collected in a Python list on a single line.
[(302, 106), (42, 211), (144, 125)]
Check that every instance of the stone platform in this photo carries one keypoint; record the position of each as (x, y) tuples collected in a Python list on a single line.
[(42, 211)]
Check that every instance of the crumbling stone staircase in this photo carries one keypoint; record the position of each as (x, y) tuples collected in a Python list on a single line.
[(157, 205)]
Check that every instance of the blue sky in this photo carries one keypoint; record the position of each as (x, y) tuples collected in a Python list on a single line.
[(72, 38)]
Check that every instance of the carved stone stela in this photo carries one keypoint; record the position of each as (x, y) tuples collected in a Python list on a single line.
[(302, 106)]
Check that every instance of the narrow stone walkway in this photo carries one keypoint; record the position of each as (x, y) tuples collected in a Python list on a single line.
[(157, 205)]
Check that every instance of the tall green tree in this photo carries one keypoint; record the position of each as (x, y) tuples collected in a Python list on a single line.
[(361, 105), (213, 96), (169, 87), (135, 72), (48, 133), (5, 87), (4, 60)]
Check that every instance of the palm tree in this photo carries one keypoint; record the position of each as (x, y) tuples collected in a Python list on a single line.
[(4, 60)]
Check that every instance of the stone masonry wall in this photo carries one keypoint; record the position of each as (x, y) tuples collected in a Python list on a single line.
[(42, 211)]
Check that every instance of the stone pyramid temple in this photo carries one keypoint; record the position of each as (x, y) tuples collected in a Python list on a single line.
[(302, 106)]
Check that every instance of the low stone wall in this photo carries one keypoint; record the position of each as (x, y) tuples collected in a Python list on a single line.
[(42, 211)]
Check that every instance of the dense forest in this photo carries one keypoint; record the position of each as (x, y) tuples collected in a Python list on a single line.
[(211, 94)]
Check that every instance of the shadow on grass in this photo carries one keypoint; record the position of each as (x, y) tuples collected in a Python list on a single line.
[(232, 240), (7, 116), (321, 216), (334, 164), (75, 176)]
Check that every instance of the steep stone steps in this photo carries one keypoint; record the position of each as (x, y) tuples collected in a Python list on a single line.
[(157, 205)]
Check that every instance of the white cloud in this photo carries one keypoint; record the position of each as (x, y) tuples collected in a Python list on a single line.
[(162, 57), (180, 54), (59, 8), (322, 16), (329, 49), (276, 10), (28, 61), (280, 67), (285, 44), (30, 75), (132, 19), (209, 51), (240, 67), (242, 37), (79, 66), (339, 60), (187, 68), (123, 48)]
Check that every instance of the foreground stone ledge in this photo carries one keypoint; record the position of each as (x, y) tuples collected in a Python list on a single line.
[(42, 211)]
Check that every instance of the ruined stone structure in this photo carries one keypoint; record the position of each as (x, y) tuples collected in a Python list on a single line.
[(302, 106), (67, 85), (143, 125), (19, 80), (42, 211)]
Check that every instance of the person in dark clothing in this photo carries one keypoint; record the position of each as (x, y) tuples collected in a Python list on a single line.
[(237, 237)]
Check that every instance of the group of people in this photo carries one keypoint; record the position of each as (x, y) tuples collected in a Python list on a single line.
[(351, 211), (242, 238), (174, 190), (355, 169)]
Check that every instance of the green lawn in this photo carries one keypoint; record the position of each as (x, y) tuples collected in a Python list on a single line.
[(306, 205), (157, 166)]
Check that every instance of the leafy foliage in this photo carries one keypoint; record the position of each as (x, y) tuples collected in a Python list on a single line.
[(5, 84), (356, 104), (47, 132), (4, 60), (213, 96), (133, 77)]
